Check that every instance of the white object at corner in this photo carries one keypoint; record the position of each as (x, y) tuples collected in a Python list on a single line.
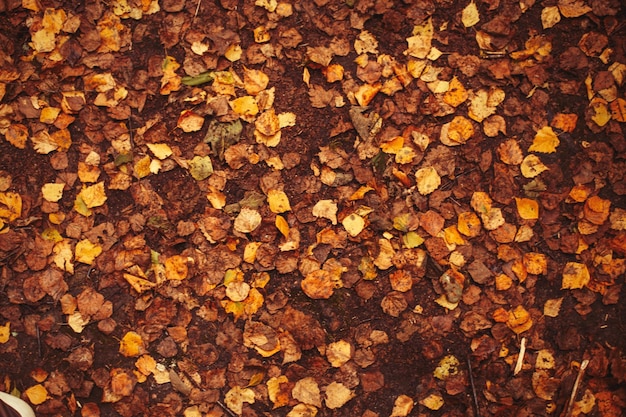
[(17, 404)]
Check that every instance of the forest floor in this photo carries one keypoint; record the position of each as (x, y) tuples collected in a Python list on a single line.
[(330, 207)]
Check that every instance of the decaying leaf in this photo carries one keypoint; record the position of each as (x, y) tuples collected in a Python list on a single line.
[(236, 397), (337, 394)]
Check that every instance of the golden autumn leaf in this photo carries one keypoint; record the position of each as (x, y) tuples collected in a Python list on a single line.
[(432, 402), (5, 333), (337, 395), (550, 16), (545, 141), (470, 15), (176, 267), (278, 201), (320, 284), (468, 224), (420, 43), (552, 307), (254, 81), (596, 210), (532, 166), (282, 226), (618, 110), (456, 94), (456, 132), (366, 93), (278, 395), (427, 179), (139, 284), (93, 195), (326, 209), (10, 206), (565, 121), (535, 263), (575, 276), (447, 367), (353, 224), (402, 406), (339, 352), (527, 208), (307, 391), (170, 81), (37, 394), (17, 135), (236, 397), (132, 345), (519, 320), (188, 121), (86, 252)]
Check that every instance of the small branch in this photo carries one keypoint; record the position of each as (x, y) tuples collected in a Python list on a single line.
[(520, 357), (196, 13), (471, 378), (579, 377), (230, 413)]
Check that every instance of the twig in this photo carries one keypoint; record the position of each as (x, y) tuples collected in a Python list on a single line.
[(230, 413), (520, 357), (196, 13), (471, 378), (581, 372), (38, 340)]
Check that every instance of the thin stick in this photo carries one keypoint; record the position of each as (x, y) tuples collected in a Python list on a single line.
[(474, 396), (230, 413), (196, 13), (520, 357), (572, 397), (38, 340)]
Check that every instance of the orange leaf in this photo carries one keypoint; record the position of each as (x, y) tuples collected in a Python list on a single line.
[(545, 141), (527, 209), (565, 121), (132, 345), (575, 276)]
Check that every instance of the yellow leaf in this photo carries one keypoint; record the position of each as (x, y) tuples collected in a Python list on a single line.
[(600, 111), (246, 107), (532, 166), (428, 180), (545, 141), (170, 81), (233, 53), (420, 43), (37, 394), (326, 209), (188, 121), (237, 290), (63, 255), (366, 93), (575, 276), (93, 195), (392, 146), (278, 201), (142, 167), (402, 406), (470, 16), (85, 251), (337, 394), (16, 135), (286, 119), (10, 206), (519, 320), (160, 150), (550, 16), (132, 345), (366, 43), (552, 307), (5, 332), (456, 94), (456, 132), (360, 193), (176, 267), (254, 81), (277, 395), (527, 209), (338, 353), (235, 398), (139, 284), (353, 224), (448, 366), (282, 226), (468, 224), (247, 220), (535, 263), (433, 401)]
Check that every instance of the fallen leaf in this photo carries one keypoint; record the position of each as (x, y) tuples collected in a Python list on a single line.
[(307, 391), (427, 179), (402, 406), (527, 208), (545, 141), (188, 121), (278, 201), (337, 395), (432, 402), (550, 16), (470, 16), (519, 320), (326, 209), (236, 397), (132, 345), (575, 276), (353, 224), (447, 367), (532, 166), (37, 394), (5, 332), (419, 44), (86, 252), (338, 353)]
